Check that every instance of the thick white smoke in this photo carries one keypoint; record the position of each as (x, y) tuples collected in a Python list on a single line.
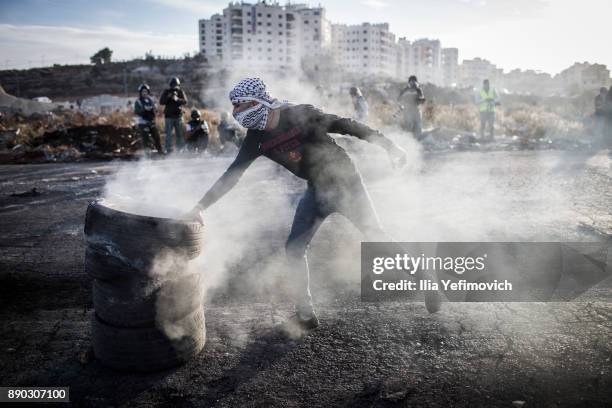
[(442, 197)]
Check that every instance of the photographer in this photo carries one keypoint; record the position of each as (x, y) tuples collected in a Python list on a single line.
[(197, 133), (173, 99), (144, 108)]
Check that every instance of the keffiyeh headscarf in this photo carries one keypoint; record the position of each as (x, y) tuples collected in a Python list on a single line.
[(253, 90)]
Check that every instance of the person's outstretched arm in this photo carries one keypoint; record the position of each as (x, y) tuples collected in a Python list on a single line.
[(345, 126), (247, 154)]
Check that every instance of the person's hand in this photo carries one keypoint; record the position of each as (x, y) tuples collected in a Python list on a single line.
[(196, 214), (398, 157)]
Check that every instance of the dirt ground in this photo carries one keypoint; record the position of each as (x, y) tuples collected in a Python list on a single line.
[(363, 354)]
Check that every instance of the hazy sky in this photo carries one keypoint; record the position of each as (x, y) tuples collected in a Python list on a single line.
[(548, 35)]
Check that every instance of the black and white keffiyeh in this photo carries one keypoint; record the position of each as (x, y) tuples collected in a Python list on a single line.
[(253, 90)]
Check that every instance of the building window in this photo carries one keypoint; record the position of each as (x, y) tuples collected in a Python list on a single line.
[(258, 14), (269, 15)]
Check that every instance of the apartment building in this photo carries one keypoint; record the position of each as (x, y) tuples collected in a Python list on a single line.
[(368, 49), (472, 72), (450, 66), (264, 35), (583, 76)]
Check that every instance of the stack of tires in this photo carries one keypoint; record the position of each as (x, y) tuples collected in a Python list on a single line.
[(147, 300)]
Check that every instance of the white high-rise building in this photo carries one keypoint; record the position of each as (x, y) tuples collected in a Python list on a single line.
[(404, 58), (422, 58), (474, 71), (367, 49), (264, 35), (450, 66), (267, 36), (426, 59)]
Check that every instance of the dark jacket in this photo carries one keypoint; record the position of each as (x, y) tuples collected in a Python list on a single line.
[(173, 106), (600, 104), (415, 95), (145, 108), (302, 145)]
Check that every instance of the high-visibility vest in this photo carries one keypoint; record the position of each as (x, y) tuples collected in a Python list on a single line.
[(484, 95)]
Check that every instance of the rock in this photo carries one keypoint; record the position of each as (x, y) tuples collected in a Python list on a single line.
[(518, 403)]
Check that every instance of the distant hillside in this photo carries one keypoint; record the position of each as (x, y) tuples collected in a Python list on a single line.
[(80, 81)]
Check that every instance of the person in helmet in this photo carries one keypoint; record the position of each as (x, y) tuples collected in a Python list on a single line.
[(411, 107), (197, 133), (359, 104), (297, 137), (173, 99), (144, 108)]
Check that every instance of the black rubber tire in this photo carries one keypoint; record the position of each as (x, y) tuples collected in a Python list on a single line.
[(139, 305), (100, 264), (138, 239), (148, 349)]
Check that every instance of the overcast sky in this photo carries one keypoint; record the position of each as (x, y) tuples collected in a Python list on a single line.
[(547, 35)]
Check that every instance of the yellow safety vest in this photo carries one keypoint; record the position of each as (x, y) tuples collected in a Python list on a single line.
[(484, 95)]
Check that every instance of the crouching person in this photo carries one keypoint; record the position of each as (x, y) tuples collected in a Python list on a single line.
[(197, 133)]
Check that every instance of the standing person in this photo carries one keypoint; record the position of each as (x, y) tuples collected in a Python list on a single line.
[(173, 99), (600, 111), (296, 137), (145, 110), (608, 113), (197, 133), (412, 112), (487, 101), (359, 104)]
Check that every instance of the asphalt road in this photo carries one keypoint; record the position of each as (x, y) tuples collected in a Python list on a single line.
[(364, 354)]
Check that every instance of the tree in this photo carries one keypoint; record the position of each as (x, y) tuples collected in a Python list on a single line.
[(102, 57)]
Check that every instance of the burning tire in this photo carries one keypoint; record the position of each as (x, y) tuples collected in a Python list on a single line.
[(147, 299), (150, 348), (136, 240), (135, 304)]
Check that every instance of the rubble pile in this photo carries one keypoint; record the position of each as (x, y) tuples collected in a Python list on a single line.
[(64, 137)]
